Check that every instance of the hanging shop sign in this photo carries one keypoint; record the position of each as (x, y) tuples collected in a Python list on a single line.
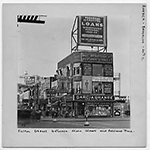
[(102, 79), (93, 97), (92, 30), (96, 57), (87, 84)]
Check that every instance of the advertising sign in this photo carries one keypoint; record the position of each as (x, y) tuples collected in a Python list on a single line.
[(87, 69), (96, 57), (92, 30), (93, 97), (30, 80), (102, 79), (108, 88), (108, 70), (87, 84)]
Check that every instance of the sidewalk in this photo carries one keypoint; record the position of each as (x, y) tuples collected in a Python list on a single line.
[(60, 119)]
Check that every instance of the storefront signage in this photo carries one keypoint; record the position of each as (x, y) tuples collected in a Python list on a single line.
[(96, 57), (102, 79), (92, 97), (92, 30)]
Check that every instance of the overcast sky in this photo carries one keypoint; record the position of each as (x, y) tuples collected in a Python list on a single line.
[(41, 47)]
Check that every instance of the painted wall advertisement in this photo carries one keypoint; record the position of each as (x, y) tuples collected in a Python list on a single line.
[(96, 57), (92, 30)]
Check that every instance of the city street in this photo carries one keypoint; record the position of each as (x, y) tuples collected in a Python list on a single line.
[(77, 123)]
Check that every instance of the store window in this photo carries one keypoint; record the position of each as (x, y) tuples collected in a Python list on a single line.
[(99, 110), (97, 88), (97, 70)]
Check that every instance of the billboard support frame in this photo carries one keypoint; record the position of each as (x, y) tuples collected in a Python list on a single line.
[(76, 46)]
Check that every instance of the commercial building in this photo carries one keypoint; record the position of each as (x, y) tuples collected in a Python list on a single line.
[(87, 78)]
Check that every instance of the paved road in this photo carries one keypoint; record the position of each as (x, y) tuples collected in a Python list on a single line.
[(101, 123)]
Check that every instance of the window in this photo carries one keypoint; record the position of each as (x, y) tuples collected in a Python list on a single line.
[(97, 70), (77, 69), (68, 71)]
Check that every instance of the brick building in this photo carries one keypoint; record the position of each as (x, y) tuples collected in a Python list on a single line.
[(87, 79)]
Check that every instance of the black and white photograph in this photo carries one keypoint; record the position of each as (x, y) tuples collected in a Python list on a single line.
[(74, 73)]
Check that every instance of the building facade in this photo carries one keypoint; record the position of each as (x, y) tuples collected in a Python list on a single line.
[(87, 78)]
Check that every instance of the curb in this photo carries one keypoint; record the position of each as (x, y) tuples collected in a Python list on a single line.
[(82, 120)]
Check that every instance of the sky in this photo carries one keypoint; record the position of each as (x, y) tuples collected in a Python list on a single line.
[(41, 47)]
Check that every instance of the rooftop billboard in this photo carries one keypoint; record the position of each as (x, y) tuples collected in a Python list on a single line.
[(92, 31)]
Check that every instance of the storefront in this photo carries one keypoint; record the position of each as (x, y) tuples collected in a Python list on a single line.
[(99, 109)]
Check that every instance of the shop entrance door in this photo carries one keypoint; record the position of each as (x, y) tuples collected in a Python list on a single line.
[(81, 106)]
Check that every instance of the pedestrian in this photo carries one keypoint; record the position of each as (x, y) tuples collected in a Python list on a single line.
[(33, 115), (86, 114)]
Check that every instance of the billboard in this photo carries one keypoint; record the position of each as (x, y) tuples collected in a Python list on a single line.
[(30, 80), (92, 30)]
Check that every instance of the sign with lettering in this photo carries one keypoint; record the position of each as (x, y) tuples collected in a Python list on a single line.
[(108, 70), (87, 69), (93, 97), (96, 57), (92, 30), (102, 79), (108, 88), (29, 80)]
